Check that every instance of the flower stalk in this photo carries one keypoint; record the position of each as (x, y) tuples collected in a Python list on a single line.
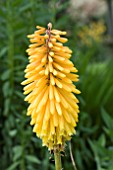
[(57, 156)]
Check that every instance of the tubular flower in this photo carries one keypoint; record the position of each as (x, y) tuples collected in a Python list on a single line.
[(49, 88)]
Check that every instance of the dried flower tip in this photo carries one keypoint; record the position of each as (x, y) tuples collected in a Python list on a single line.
[(50, 26)]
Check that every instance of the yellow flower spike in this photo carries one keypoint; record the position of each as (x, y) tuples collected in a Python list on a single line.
[(49, 87)]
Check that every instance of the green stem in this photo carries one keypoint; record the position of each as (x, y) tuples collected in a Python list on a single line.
[(57, 157), (10, 45)]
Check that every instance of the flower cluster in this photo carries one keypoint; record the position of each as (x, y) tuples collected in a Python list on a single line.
[(49, 88), (92, 33)]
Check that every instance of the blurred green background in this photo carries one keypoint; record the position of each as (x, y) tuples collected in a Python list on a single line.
[(89, 26)]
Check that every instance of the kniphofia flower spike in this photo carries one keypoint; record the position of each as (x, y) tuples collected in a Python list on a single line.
[(49, 87)]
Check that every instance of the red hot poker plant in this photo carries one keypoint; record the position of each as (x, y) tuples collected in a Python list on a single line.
[(49, 87)]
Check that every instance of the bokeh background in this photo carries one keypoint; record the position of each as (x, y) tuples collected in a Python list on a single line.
[(89, 26)]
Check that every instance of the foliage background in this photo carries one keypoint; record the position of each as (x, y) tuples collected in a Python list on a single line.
[(92, 146)]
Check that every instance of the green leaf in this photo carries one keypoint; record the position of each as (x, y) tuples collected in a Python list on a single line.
[(25, 7), (93, 146), (13, 166), (5, 75), (3, 51), (17, 152), (79, 159), (19, 94), (6, 88), (107, 119), (12, 133), (102, 140), (33, 159), (6, 106), (21, 58)]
